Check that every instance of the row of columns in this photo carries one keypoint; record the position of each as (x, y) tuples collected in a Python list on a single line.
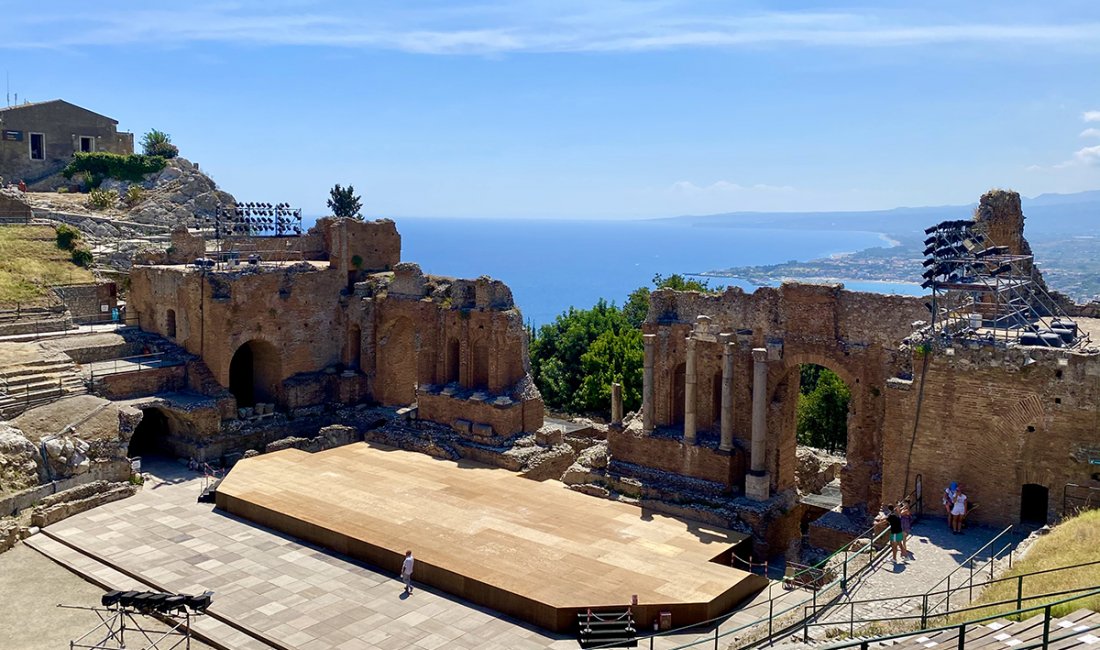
[(757, 481)]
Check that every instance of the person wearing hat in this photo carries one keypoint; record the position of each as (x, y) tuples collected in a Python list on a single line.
[(949, 496)]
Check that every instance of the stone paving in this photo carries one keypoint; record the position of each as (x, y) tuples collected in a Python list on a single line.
[(881, 592), (282, 592)]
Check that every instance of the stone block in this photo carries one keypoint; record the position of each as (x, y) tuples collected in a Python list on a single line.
[(463, 426), (549, 436), (482, 430)]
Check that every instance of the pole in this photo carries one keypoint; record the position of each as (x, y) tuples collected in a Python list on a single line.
[(924, 612), (1046, 626), (1019, 592)]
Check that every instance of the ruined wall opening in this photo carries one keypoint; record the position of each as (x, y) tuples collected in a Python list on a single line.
[(1034, 500), (397, 363), (819, 414), (355, 342), (151, 435), (481, 365), (254, 373), (453, 362), (714, 418), (170, 324), (676, 395)]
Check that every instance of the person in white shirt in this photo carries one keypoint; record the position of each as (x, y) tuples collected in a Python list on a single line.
[(958, 512), (407, 572)]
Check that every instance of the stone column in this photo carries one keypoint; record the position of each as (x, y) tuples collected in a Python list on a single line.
[(757, 483), (728, 348), (648, 401), (689, 393), (616, 404)]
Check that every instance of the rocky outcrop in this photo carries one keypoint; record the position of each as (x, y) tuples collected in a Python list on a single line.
[(178, 194), (814, 469), (19, 460), (67, 455)]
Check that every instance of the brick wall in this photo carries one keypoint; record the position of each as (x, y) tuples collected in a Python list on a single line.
[(994, 422)]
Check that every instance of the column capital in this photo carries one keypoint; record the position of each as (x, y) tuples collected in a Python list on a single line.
[(725, 338), (760, 355), (648, 339)]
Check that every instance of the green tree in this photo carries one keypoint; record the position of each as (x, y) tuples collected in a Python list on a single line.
[(823, 412), (344, 202), (557, 350), (615, 356), (159, 143)]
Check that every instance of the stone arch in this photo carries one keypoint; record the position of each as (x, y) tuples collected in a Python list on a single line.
[(255, 373), (150, 437), (676, 395), (863, 451), (397, 363), (354, 347), (453, 361), (480, 377)]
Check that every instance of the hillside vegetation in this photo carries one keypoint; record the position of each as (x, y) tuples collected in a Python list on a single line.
[(31, 262), (1074, 541)]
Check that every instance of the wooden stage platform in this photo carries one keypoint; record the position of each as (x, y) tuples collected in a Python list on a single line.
[(536, 551)]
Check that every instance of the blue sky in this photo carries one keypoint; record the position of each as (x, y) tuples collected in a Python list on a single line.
[(581, 109)]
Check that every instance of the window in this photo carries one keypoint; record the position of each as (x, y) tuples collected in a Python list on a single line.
[(38, 146), (87, 144)]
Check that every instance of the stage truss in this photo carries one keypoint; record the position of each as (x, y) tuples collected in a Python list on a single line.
[(984, 292), (124, 621)]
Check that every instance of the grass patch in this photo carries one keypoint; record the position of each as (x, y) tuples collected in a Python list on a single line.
[(1074, 541), (30, 262)]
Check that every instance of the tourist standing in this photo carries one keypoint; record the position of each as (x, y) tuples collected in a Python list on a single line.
[(949, 495), (958, 512), (906, 516), (407, 572), (897, 535)]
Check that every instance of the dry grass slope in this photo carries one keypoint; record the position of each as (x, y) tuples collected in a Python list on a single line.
[(1075, 541), (30, 262)]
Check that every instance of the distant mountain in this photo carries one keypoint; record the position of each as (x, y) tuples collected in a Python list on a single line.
[(1047, 215)]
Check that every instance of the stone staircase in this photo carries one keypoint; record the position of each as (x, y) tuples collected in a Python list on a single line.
[(27, 384)]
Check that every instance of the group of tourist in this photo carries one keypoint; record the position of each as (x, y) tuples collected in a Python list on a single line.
[(899, 517)]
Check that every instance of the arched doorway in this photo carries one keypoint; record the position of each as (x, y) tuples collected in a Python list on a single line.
[(255, 373), (453, 362), (676, 396), (1034, 500), (151, 435), (812, 405), (481, 365)]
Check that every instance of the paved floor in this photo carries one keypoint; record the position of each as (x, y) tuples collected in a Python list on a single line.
[(275, 588), (31, 587), (882, 592)]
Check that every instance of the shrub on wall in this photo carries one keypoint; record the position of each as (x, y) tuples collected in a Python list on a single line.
[(101, 164), (134, 195), (103, 199), (82, 257), (67, 237)]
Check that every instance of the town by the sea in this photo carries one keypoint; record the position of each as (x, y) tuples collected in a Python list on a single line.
[(551, 265)]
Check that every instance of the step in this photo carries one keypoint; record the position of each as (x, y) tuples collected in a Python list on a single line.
[(34, 367), (205, 628), (30, 384)]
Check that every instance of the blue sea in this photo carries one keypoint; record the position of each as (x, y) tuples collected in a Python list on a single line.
[(552, 265)]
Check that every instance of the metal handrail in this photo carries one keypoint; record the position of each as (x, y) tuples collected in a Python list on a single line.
[(864, 644), (971, 557), (926, 614)]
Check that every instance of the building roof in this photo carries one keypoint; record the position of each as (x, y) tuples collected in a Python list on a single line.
[(52, 101)]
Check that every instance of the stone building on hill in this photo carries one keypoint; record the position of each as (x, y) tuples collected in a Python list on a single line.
[(37, 140)]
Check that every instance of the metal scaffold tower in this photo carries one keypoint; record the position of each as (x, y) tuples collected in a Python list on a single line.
[(984, 292)]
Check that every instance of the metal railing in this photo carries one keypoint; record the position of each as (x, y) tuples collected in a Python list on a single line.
[(925, 612), (769, 609), (1046, 608), (1087, 498), (968, 563), (137, 363)]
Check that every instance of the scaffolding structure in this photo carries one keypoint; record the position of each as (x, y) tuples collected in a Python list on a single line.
[(984, 292), (125, 621)]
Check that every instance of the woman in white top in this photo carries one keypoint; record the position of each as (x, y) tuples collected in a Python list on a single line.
[(958, 511)]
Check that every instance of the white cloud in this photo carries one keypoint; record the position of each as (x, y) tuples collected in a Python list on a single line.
[(495, 26), (1089, 156), (1090, 133), (1091, 116)]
